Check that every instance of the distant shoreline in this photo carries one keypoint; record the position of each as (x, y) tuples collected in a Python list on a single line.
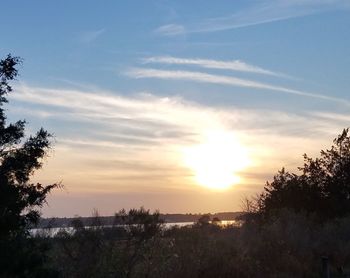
[(60, 222)]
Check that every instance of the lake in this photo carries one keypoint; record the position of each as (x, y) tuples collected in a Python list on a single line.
[(51, 232)]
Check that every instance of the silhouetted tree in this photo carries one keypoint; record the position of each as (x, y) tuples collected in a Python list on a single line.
[(216, 221), (322, 188), (20, 200), (143, 230), (204, 220), (140, 223)]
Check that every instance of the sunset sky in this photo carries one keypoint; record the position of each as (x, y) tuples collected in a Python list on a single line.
[(181, 106)]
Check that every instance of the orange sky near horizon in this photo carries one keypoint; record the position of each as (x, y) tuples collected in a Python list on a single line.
[(171, 169)]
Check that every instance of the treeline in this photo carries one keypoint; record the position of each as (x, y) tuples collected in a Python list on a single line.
[(56, 222), (288, 245)]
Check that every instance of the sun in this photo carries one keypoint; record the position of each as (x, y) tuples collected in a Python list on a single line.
[(217, 160)]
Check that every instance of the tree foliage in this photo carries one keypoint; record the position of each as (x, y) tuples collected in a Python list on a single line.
[(20, 200), (140, 223), (321, 188)]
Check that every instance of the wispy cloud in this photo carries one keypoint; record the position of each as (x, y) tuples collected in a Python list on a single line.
[(234, 65), (90, 36), (155, 118), (264, 12), (113, 143), (334, 117), (223, 80), (122, 112), (170, 30)]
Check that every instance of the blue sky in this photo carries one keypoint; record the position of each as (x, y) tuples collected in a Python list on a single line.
[(125, 86)]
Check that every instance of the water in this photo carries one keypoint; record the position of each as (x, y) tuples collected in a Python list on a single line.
[(51, 232)]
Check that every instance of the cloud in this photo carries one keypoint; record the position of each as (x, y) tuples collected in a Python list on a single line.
[(170, 30), (264, 12), (112, 120), (335, 117), (113, 143), (90, 36), (223, 80), (235, 65), (144, 117)]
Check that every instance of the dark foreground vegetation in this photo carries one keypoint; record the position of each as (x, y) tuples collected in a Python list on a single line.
[(298, 222), (288, 245)]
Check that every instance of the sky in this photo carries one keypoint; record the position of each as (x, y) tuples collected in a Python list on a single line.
[(181, 106)]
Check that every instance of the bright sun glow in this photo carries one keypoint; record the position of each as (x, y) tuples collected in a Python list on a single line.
[(217, 160)]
